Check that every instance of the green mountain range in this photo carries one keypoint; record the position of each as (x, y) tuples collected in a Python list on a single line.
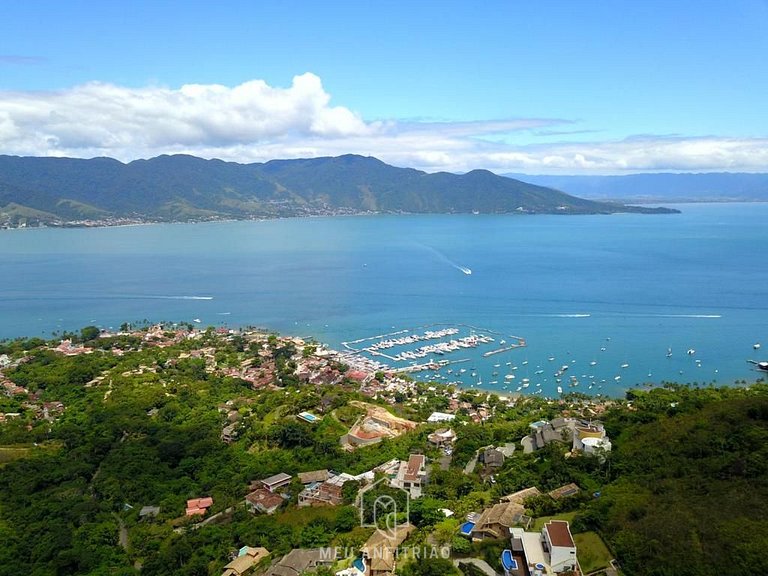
[(180, 188)]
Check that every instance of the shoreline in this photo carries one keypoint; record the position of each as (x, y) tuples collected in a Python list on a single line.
[(97, 224), (84, 224), (363, 362), (360, 363)]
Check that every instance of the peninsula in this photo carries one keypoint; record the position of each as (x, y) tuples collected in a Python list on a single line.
[(103, 191)]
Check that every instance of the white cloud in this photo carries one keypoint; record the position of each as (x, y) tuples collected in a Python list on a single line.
[(125, 121), (257, 122)]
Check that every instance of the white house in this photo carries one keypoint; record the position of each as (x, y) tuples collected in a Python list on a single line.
[(442, 437), (412, 475), (551, 552), (440, 417), (558, 542)]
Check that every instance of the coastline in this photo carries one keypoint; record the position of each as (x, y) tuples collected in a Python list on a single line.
[(127, 222), (77, 224), (291, 277)]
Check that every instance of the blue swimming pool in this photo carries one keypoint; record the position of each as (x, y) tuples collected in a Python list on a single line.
[(507, 561)]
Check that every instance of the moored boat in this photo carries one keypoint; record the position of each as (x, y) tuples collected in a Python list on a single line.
[(762, 365)]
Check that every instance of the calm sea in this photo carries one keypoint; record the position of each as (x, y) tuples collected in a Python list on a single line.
[(610, 290)]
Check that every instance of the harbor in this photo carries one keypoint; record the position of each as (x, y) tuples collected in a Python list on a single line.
[(478, 358), (433, 352), (562, 313)]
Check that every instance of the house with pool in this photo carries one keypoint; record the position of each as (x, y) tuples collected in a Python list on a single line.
[(552, 551)]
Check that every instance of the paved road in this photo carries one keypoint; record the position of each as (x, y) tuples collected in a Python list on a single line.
[(183, 529), (470, 467), (123, 538)]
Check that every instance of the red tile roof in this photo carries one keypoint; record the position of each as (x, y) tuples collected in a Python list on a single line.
[(415, 462), (560, 534), (201, 503)]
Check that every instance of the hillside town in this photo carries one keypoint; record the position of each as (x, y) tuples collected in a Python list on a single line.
[(266, 361), (378, 472)]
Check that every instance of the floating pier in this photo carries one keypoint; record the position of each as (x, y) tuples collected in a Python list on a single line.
[(421, 347), (519, 344)]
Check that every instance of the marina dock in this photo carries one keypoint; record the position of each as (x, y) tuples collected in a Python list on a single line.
[(428, 348), (519, 344)]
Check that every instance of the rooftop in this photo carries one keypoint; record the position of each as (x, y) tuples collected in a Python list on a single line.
[(247, 558), (264, 498), (298, 561), (313, 476), (440, 417), (200, 502), (277, 479), (505, 514), (521, 495), (564, 491), (560, 533), (379, 548), (415, 464)]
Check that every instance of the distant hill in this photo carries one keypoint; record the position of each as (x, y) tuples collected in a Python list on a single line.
[(179, 188), (662, 187)]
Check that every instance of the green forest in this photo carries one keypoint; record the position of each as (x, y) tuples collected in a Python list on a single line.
[(93, 438), (69, 191)]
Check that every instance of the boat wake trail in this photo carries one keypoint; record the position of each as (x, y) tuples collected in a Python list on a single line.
[(558, 315), (179, 297), (443, 258)]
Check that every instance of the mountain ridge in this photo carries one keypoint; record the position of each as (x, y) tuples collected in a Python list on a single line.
[(67, 191)]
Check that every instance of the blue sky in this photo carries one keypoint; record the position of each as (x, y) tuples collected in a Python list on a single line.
[(512, 86)]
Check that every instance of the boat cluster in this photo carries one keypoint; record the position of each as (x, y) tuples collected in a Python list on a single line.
[(413, 338), (442, 347)]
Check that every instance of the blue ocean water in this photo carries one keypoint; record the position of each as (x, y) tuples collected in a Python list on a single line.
[(615, 290)]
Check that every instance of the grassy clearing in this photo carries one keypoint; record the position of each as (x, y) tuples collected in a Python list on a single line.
[(274, 415), (13, 452), (9, 454), (538, 523), (591, 551)]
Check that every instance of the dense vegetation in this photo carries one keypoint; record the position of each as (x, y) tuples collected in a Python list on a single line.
[(684, 492), (690, 488), (178, 188)]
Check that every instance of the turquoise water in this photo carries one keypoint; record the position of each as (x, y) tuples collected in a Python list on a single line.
[(635, 285)]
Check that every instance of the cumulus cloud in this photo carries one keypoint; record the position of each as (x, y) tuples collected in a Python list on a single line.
[(123, 121), (255, 122)]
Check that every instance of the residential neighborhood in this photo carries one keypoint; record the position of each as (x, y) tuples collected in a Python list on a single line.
[(461, 472)]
